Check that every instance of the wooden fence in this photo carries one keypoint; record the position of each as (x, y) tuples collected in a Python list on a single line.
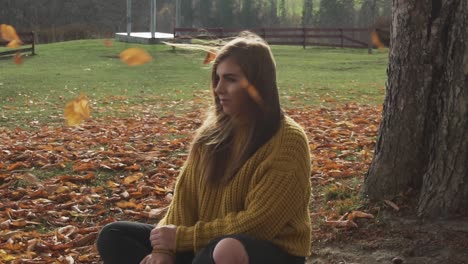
[(28, 38), (329, 37)]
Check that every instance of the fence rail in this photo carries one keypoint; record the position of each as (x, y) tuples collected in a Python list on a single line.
[(28, 38), (330, 37)]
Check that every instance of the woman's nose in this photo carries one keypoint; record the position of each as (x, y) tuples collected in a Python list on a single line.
[(219, 89)]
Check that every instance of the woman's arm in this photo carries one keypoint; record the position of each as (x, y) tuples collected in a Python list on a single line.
[(183, 207)]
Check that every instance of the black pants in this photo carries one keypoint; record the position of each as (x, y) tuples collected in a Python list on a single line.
[(128, 243)]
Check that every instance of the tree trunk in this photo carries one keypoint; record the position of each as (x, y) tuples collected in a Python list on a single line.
[(423, 139)]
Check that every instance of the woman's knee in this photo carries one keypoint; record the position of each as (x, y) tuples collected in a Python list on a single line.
[(106, 233), (230, 250)]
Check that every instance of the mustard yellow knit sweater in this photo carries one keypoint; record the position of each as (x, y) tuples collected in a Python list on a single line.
[(267, 199)]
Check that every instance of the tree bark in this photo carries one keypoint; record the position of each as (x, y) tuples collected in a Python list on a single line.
[(423, 139)]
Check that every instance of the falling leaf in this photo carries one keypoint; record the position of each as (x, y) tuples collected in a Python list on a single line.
[(253, 93), (210, 56), (77, 110), (108, 43), (135, 56), (8, 33), (15, 43), (376, 40), (17, 59)]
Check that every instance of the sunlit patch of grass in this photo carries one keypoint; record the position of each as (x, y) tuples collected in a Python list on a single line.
[(344, 196), (36, 91), (54, 171)]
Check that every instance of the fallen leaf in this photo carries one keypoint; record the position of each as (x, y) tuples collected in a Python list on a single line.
[(343, 223), (392, 204), (135, 56), (133, 178), (126, 204), (359, 214)]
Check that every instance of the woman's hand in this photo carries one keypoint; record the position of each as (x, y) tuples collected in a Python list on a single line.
[(158, 258), (164, 237)]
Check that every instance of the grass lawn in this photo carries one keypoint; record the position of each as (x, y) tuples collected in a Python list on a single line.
[(122, 164), (38, 89)]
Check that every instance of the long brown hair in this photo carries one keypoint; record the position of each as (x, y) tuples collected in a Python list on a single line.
[(215, 136)]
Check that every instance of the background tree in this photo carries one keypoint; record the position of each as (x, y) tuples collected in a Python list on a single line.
[(186, 13), (336, 13), (226, 13), (248, 14), (366, 14), (204, 13), (423, 142), (282, 11), (307, 13), (348, 13), (386, 8)]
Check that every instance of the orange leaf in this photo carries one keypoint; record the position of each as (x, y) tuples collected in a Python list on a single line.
[(126, 204), (210, 56), (16, 165), (112, 184), (134, 167), (133, 178), (77, 110), (18, 59), (255, 95), (376, 40), (84, 166), (135, 56), (15, 43), (8, 33)]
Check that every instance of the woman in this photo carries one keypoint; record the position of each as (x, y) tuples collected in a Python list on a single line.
[(243, 194)]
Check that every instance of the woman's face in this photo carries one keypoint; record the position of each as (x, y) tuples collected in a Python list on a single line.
[(231, 88)]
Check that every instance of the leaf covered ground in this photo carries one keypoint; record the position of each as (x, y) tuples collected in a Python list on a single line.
[(59, 185)]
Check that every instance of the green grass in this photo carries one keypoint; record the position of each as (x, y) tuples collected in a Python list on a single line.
[(38, 89)]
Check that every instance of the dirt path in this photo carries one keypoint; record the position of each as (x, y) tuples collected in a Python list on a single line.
[(396, 240)]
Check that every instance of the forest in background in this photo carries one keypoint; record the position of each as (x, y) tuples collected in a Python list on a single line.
[(61, 20)]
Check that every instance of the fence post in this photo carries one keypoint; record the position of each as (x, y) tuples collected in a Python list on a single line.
[(341, 37), (369, 40), (33, 43), (304, 37), (264, 33)]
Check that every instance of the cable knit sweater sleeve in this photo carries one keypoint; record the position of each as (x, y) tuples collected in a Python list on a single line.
[(183, 208), (281, 192)]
